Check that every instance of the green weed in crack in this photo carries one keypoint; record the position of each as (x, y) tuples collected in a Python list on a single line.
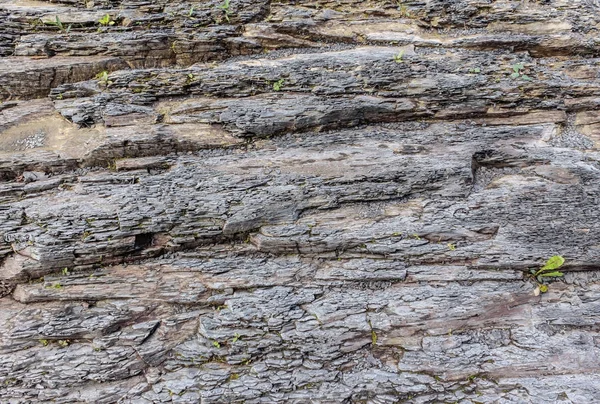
[(106, 20), (225, 9), (398, 57), (278, 85), (518, 74), (549, 270), (58, 24)]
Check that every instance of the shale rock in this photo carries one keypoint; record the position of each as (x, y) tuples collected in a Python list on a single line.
[(299, 201)]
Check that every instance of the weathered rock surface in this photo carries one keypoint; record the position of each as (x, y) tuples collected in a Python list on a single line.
[(299, 201)]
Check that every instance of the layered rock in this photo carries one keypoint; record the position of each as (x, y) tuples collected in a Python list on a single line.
[(296, 201)]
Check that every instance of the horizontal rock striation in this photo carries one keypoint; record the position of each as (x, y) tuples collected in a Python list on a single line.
[(299, 201)]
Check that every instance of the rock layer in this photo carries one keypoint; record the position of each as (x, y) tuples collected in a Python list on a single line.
[(299, 201)]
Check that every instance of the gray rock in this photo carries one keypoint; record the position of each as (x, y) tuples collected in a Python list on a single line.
[(293, 202)]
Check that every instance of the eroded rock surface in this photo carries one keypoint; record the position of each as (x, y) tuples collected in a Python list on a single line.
[(299, 201)]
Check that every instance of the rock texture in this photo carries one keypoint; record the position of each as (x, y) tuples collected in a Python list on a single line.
[(254, 201)]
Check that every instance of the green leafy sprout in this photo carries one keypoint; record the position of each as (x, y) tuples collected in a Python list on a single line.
[(373, 334), (278, 84), (102, 77), (403, 9), (225, 8), (398, 56), (549, 270), (58, 23), (517, 74), (106, 21)]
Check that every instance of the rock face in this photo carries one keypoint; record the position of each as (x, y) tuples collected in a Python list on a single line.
[(299, 201)]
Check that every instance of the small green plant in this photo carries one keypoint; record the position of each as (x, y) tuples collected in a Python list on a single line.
[(58, 24), (278, 84), (216, 344), (225, 8), (63, 343), (475, 70), (398, 57), (106, 20), (44, 342), (517, 74), (236, 337), (451, 247), (373, 334), (549, 270), (403, 9), (191, 12), (65, 271), (102, 76)]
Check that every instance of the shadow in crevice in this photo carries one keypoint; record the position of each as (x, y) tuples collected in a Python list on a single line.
[(143, 241)]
